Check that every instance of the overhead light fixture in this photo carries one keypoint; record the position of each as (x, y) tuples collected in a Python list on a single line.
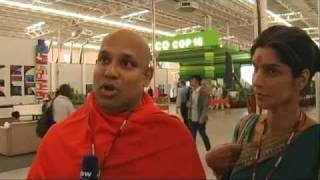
[(75, 45), (83, 17), (227, 37), (134, 14), (78, 45), (311, 29), (36, 25), (273, 15), (278, 18), (188, 29), (100, 36)]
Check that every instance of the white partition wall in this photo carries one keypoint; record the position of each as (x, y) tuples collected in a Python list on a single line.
[(89, 73), (90, 56), (15, 51), (70, 74)]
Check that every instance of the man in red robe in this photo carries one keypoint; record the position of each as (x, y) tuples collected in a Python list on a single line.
[(120, 125)]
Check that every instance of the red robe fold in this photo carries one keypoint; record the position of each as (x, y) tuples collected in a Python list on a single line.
[(153, 145)]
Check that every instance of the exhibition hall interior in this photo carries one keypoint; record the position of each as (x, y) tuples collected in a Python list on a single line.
[(50, 53)]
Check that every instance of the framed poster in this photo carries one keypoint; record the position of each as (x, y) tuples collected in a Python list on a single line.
[(15, 80), (2, 81), (29, 80)]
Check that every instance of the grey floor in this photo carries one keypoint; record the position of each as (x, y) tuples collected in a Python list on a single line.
[(15, 162), (219, 128)]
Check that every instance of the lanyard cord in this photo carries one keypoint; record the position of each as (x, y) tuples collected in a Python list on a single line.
[(116, 136), (109, 149), (301, 120)]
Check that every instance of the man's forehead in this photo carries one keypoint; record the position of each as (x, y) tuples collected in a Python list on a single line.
[(126, 35), (105, 50), (126, 42)]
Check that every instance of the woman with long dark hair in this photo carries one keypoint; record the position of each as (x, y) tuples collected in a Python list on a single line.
[(283, 143)]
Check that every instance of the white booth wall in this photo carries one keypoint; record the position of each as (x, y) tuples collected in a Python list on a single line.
[(14, 51), (17, 51)]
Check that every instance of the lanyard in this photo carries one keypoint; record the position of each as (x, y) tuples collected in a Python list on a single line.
[(301, 120), (109, 149)]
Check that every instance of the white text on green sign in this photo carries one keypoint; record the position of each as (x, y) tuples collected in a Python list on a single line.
[(178, 44)]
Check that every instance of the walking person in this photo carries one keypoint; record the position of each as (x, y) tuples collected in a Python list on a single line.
[(182, 98), (199, 110), (62, 105)]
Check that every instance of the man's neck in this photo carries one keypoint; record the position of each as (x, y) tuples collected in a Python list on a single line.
[(195, 87)]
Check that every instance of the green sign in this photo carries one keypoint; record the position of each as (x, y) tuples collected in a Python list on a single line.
[(187, 41)]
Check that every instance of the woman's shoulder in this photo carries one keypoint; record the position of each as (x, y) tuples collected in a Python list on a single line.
[(309, 136), (312, 129), (245, 126)]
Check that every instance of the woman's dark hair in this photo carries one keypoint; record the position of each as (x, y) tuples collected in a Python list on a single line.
[(292, 46), (64, 90)]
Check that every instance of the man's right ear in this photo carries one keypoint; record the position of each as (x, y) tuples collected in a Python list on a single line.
[(148, 75)]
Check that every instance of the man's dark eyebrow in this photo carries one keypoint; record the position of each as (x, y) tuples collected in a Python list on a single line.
[(103, 53), (127, 55)]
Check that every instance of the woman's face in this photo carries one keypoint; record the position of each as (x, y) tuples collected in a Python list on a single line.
[(273, 83)]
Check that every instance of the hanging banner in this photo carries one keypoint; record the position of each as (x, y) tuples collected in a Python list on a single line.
[(41, 70)]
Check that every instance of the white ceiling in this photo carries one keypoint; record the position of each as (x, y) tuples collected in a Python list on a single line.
[(238, 14)]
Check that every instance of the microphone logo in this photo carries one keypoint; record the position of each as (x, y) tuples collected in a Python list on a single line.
[(89, 169), (85, 174)]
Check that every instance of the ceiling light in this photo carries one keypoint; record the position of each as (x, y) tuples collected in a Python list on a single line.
[(36, 25), (188, 28), (310, 29), (78, 45), (272, 14), (227, 37), (134, 14), (278, 18), (100, 36), (83, 17), (75, 45)]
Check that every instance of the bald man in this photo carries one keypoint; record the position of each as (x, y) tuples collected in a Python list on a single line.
[(119, 125)]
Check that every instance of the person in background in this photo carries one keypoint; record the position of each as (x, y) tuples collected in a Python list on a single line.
[(283, 143), (62, 105), (119, 126), (150, 92), (213, 100), (199, 110), (181, 103), (16, 116), (219, 97)]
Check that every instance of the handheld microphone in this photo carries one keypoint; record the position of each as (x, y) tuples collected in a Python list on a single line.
[(89, 169)]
